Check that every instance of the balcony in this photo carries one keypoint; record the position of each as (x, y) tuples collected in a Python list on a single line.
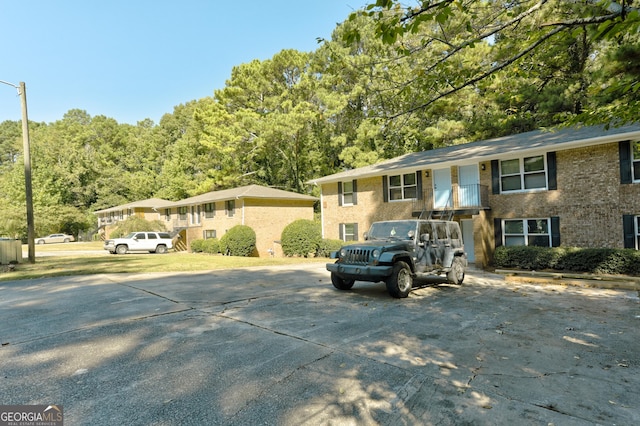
[(459, 200)]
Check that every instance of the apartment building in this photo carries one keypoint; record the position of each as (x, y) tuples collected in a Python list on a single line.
[(575, 187)]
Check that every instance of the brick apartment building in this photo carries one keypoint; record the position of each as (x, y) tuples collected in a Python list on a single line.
[(575, 187), (266, 210)]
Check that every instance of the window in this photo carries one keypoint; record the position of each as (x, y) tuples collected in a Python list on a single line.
[(230, 207), (152, 236), (637, 232), (209, 233), (347, 193), (635, 155), (403, 187), (141, 236), (167, 214), (527, 232), (182, 212), (523, 174), (349, 231), (195, 215), (209, 210)]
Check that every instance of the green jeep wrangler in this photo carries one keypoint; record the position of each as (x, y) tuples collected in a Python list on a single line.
[(397, 251)]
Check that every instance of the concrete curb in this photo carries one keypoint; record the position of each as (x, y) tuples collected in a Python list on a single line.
[(622, 282)]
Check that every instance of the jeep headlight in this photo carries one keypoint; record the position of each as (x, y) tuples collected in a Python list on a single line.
[(343, 252), (375, 254)]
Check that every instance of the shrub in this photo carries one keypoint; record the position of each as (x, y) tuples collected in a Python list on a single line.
[(210, 246), (238, 241), (327, 246), (594, 260), (134, 224), (301, 238)]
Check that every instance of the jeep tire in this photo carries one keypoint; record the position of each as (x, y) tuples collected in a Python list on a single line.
[(400, 282), (456, 274), (341, 284)]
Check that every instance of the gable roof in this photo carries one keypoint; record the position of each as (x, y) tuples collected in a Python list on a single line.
[(249, 191), (529, 143), (150, 203)]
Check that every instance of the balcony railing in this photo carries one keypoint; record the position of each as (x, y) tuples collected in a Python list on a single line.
[(458, 198)]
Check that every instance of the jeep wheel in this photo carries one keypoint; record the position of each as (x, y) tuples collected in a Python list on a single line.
[(456, 274), (161, 249), (341, 284), (121, 249), (400, 282)]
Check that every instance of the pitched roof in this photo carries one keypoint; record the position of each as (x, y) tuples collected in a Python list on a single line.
[(529, 143), (150, 203), (250, 191)]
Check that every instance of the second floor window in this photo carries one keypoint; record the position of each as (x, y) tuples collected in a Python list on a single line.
[(230, 206), (182, 212), (167, 214), (347, 193), (635, 156), (403, 187), (523, 174), (209, 210)]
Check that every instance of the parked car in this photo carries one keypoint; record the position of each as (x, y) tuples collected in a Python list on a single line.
[(55, 238), (153, 242), (397, 251)]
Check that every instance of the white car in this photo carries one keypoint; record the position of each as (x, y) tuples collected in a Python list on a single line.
[(153, 242), (55, 238)]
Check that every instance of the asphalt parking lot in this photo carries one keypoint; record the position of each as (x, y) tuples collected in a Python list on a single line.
[(281, 346)]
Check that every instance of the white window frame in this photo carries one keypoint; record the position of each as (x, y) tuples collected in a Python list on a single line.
[(209, 233), (167, 214), (635, 160), (525, 231), (345, 235), (522, 173), (403, 187), (209, 214), (346, 193), (636, 222)]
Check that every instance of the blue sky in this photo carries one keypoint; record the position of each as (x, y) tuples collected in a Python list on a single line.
[(136, 59)]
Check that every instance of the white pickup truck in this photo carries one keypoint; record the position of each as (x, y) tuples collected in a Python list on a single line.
[(153, 242)]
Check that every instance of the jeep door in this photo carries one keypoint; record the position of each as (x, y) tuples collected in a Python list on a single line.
[(424, 256)]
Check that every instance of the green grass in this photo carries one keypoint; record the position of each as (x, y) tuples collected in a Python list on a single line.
[(81, 261)]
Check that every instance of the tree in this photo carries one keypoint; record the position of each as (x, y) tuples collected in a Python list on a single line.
[(515, 31)]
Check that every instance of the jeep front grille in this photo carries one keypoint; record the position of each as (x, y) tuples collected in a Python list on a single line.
[(358, 256)]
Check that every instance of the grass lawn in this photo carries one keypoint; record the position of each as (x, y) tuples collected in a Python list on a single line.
[(90, 258)]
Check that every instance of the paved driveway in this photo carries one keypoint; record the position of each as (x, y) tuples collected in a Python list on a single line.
[(280, 346)]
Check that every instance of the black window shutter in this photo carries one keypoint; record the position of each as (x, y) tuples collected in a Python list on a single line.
[(555, 231), (495, 176), (355, 192), (497, 231), (552, 183), (339, 193), (625, 162), (385, 189), (341, 231), (355, 232), (629, 231), (419, 184)]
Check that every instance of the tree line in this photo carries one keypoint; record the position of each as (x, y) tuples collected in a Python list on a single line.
[(391, 80)]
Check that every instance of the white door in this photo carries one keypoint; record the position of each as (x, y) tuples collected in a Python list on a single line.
[(441, 188), (469, 186), (466, 226)]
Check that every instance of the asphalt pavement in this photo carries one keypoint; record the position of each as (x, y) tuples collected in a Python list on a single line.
[(281, 346)]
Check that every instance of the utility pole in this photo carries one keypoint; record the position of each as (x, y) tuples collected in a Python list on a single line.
[(22, 91)]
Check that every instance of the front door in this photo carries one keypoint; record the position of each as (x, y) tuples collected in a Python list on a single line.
[(467, 239), (441, 188)]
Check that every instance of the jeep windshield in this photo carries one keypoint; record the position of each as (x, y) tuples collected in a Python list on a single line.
[(392, 230)]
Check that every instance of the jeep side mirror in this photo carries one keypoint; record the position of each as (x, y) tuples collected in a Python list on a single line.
[(424, 238), (365, 236)]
